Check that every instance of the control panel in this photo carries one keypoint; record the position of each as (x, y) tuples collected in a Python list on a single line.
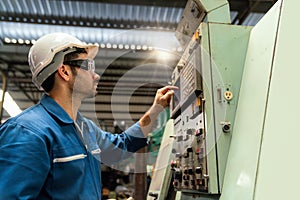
[(204, 107), (187, 77), (208, 76), (189, 165)]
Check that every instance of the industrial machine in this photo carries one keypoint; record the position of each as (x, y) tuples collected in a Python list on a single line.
[(212, 113), (203, 109), (209, 76)]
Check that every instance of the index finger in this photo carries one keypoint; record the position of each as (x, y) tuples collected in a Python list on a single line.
[(167, 88)]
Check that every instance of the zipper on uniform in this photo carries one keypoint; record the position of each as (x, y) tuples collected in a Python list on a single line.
[(80, 136)]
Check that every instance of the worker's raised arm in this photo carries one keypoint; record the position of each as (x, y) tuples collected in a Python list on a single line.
[(161, 101)]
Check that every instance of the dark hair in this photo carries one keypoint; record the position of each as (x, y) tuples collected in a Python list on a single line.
[(49, 82), (75, 54)]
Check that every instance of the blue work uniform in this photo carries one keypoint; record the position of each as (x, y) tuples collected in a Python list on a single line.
[(44, 154)]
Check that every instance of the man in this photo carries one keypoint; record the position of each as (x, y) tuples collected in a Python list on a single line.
[(50, 151)]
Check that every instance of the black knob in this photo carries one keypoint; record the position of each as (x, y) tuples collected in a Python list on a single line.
[(198, 170), (189, 150), (185, 171), (199, 132), (178, 176), (152, 194)]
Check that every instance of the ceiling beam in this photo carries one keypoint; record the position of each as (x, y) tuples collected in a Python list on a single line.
[(160, 3), (83, 21)]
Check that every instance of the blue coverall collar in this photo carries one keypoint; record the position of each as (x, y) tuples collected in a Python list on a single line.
[(55, 109)]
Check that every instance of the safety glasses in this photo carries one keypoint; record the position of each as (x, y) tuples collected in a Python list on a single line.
[(86, 64)]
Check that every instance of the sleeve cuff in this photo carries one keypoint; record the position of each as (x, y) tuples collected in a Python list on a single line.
[(135, 131)]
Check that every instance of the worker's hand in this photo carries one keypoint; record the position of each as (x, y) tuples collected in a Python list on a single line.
[(130, 198), (163, 97), (161, 101)]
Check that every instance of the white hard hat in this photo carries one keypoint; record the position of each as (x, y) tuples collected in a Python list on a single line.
[(47, 54)]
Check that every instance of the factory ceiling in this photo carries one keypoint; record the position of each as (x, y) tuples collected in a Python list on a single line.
[(138, 47)]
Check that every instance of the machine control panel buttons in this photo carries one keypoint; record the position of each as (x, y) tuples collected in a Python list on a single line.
[(190, 131), (199, 132)]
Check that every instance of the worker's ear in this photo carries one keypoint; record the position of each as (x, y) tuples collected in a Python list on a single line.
[(64, 72)]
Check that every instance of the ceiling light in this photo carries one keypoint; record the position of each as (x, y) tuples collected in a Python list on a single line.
[(10, 105), (163, 56), (144, 47), (132, 47), (138, 47), (108, 45), (20, 41), (7, 40), (179, 49)]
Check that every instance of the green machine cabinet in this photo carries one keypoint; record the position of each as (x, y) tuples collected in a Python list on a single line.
[(209, 75), (223, 53), (235, 115)]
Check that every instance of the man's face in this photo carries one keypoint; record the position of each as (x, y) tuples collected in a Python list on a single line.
[(86, 80)]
